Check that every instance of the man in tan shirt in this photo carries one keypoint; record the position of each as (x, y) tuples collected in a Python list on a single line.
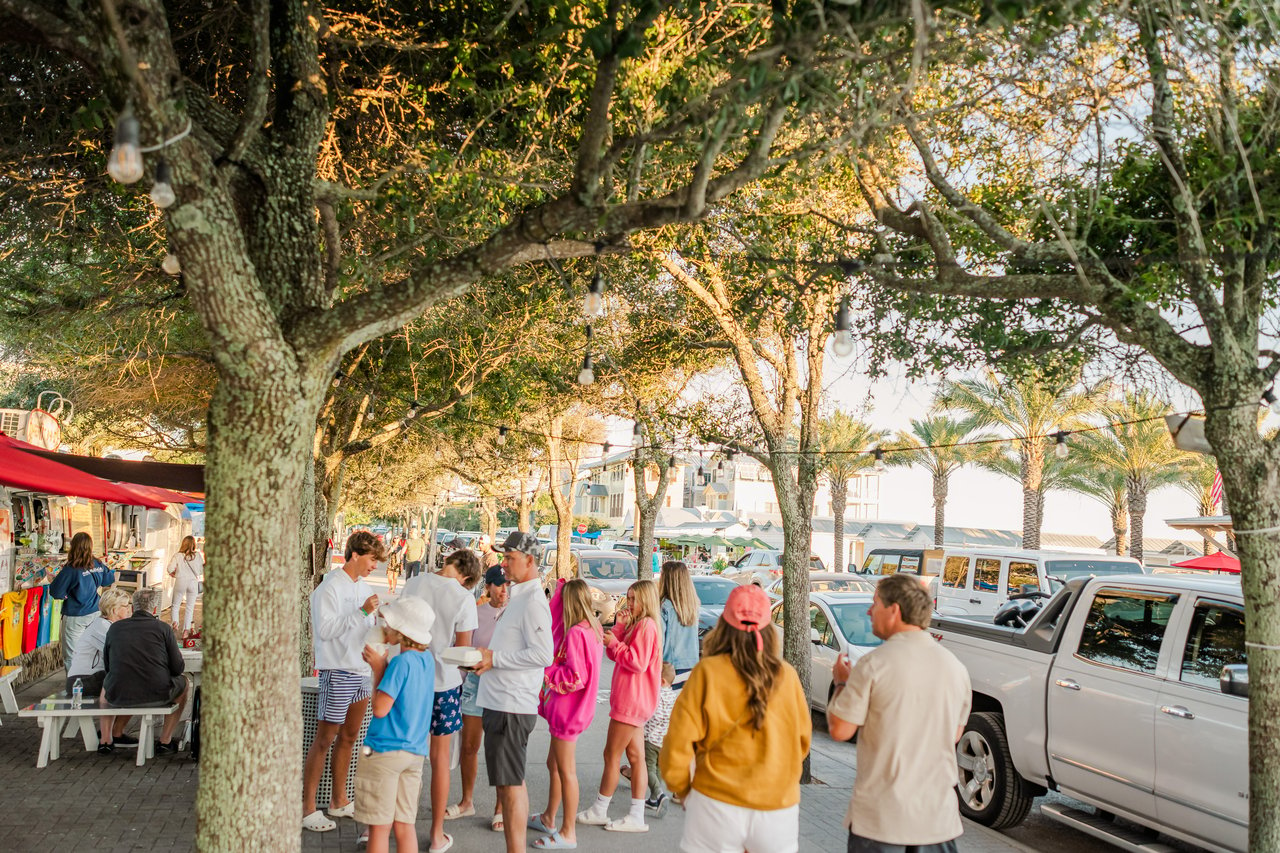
[(910, 699)]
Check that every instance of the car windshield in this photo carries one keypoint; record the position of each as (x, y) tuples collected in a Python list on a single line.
[(714, 593), (855, 624), (1064, 570), (609, 568), (842, 585)]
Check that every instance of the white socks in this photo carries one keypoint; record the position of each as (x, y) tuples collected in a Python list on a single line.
[(602, 803), (637, 809)]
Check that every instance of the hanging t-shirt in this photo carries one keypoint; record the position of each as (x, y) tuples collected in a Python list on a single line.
[(31, 619), (55, 630), (46, 620), (12, 606)]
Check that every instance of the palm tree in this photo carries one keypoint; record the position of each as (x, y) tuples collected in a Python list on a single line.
[(1027, 408), (1198, 472), (1138, 445), (1104, 484), (842, 433), (937, 444)]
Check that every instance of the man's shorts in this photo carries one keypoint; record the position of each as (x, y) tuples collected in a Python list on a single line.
[(858, 844), (339, 690), (388, 785), (506, 741), (446, 716), (471, 687), (177, 684)]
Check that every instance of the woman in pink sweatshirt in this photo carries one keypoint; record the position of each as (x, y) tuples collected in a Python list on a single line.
[(635, 647), (568, 704)]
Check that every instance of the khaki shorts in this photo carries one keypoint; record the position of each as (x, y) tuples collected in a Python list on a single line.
[(387, 788)]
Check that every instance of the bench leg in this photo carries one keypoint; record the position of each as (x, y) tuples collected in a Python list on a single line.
[(89, 732), (144, 740), (55, 743), (6, 696), (48, 736)]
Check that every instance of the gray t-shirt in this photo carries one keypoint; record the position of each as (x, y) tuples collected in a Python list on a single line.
[(908, 698)]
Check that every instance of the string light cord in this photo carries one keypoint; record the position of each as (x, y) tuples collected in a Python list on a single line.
[(181, 135)]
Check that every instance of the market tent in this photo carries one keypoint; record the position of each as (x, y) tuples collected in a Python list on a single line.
[(1216, 562), (165, 475), (30, 472), (747, 542), (714, 542)]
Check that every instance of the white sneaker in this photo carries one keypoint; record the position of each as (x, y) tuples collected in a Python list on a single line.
[(627, 824), (594, 816)]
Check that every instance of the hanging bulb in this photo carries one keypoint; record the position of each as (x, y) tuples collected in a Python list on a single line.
[(124, 163), (593, 304), (586, 375), (162, 191), (671, 463), (170, 264), (337, 378), (699, 472), (1060, 448), (879, 455), (502, 435), (1269, 397), (842, 343), (604, 449), (720, 465), (439, 455)]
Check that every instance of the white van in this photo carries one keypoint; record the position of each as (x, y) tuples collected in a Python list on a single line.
[(975, 581)]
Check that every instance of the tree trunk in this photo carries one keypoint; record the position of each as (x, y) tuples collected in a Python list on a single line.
[(1032, 476), (260, 427), (647, 509), (489, 517), (523, 506), (1137, 510), (940, 484), (839, 501), (1120, 527)]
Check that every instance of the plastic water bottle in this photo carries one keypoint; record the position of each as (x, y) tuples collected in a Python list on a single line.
[(77, 694)]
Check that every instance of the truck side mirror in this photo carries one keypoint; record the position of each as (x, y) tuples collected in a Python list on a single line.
[(1234, 680)]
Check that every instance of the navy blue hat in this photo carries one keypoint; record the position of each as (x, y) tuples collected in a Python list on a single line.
[(495, 576)]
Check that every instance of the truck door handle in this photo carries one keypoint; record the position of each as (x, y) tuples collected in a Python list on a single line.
[(975, 601), (1067, 684), (1177, 711)]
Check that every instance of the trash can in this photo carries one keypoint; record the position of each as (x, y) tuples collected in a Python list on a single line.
[(310, 704)]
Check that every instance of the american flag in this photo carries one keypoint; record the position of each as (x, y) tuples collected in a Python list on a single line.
[(1215, 491)]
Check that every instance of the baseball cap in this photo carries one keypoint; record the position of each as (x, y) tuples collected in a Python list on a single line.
[(747, 609), (495, 576), (411, 616), (521, 543)]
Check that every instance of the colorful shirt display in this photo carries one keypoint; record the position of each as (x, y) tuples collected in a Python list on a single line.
[(46, 621), (31, 619), (12, 611)]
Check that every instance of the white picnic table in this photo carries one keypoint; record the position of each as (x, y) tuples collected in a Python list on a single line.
[(55, 712)]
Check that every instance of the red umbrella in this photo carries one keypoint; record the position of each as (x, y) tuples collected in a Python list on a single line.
[(1215, 562), (22, 470)]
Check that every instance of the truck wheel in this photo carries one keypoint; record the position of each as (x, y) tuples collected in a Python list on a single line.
[(991, 791)]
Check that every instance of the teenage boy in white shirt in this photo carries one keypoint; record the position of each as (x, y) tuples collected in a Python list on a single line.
[(342, 609)]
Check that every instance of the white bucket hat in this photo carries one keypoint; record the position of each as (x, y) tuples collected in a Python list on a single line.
[(411, 616)]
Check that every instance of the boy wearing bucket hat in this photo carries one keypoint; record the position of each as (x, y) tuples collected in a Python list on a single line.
[(389, 774)]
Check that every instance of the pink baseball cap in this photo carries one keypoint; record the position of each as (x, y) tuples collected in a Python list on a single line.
[(748, 610)]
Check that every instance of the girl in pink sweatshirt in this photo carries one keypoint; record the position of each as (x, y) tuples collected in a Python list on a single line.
[(635, 647), (568, 704)]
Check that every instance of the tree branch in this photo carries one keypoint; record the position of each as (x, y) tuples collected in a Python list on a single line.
[(258, 87)]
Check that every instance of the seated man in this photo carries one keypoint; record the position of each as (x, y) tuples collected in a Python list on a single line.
[(144, 667)]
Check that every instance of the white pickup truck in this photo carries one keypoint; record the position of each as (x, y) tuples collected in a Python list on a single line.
[(1128, 693)]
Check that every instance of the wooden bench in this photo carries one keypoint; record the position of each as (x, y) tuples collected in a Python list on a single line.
[(8, 675), (54, 712)]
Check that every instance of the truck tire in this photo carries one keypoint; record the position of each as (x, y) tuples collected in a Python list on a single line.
[(990, 790)]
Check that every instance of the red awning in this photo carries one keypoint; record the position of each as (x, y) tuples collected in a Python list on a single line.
[(22, 470), (166, 475), (1215, 562), (163, 495)]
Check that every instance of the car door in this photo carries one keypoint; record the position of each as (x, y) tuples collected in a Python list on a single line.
[(1101, 699), (985, 590), (953, 585), (1202, 734), (825, 649)]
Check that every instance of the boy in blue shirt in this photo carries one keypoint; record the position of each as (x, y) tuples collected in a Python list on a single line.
[(389, 774)]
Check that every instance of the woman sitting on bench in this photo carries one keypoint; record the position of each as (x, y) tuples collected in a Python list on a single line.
[(86, 662)]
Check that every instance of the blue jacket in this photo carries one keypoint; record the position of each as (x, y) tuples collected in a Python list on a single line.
[(80, 587), (679, 642)]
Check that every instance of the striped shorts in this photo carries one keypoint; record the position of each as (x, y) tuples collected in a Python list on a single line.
[(339, 690)]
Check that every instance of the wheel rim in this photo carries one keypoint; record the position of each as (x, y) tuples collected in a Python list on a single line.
[(976, 762)]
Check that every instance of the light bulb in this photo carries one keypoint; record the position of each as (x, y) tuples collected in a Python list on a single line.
[(170, 264), (586, 375), (124, 163), (1269, 397), (1060, 448), (162, 191), (502, 435), (879, 455), (842, 344), (593, 304)]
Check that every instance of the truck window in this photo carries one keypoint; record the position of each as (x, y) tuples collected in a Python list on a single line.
[(872, 565), (889, 565), (1124, 629), (1216, 639), (910, 564), (955, 574), (986, 574), (1023, 575)]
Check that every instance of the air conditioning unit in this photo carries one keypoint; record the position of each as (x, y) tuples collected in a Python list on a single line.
[(34, 426)]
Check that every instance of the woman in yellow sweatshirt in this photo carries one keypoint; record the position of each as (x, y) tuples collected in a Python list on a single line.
[(742, 716)]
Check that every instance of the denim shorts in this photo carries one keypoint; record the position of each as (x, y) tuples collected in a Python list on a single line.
[(470, 687)]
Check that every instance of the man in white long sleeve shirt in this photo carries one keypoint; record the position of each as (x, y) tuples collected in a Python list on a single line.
[(342, 609), (510, 678)]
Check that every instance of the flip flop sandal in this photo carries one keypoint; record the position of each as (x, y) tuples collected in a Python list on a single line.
[(317, 822), (554, 842), (455, 811), (448, 842), (496, 823), (535, 822)]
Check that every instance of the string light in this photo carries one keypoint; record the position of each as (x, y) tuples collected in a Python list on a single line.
[(604, 449), (593, 304), (162, 194), (842, 342), (720, 465), (879, 455), (586, 375), (1269, 397), (124, 163), (171, 264), (671, 463), (1060, 447), (502, 435)]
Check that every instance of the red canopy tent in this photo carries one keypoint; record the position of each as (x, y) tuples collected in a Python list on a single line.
[(1215, 562), (22, 470)]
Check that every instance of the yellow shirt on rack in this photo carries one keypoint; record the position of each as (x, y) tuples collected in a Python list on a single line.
[(12, 606)]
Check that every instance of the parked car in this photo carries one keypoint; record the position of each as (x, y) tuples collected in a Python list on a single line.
[(631, 547), (827, 582), (762, 566), (713, 593), (838, 625), (549, 552), (607, 573), (889, 561), (1128, 693)]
